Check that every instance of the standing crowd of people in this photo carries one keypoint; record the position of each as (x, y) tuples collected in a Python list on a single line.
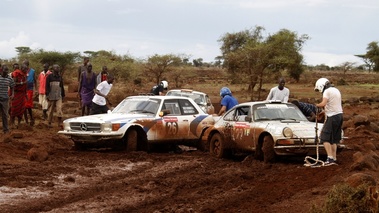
[(19, 87)]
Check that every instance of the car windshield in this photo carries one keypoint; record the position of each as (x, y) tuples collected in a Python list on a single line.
[(131, 105), (277, 112), (198, 98)]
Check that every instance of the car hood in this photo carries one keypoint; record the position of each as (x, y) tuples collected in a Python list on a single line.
[(300, 129), (112, 117)]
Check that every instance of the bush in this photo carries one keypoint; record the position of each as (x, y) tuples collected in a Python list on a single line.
[(344, 198)]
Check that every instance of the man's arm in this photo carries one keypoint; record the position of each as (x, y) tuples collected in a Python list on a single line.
[(323, 103)]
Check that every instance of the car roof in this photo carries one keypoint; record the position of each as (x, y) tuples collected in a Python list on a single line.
[(261, 102), (157, 97), (186, 91)]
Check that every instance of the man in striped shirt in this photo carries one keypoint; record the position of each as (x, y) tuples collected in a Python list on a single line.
[(6, 92), (309, 110)]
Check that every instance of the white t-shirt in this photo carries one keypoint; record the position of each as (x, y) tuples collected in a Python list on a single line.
[(104, 89), (334, 104), (277, 94)]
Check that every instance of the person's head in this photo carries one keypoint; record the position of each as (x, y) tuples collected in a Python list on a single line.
[(85, 60), (104, 69), (5, 71), (281, 83), (16, 66), (56, 69), (164, 84), (110, 79), (24, 68), (225, 91), (322, 84), (46, 67), (89, 67), (26, 62)]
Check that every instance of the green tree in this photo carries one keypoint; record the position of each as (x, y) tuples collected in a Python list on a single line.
[(198, 62), (372, 54), (368, 63), (249, 57), (121, 66), (23, 50), (346, 66), (157, 65), (54, 57)]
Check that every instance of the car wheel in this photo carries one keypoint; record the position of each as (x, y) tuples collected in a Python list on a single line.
[(217, 146), (131, 140), (268, 149), (258, 154)]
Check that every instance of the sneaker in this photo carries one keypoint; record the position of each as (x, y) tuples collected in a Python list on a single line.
[(330, 161)]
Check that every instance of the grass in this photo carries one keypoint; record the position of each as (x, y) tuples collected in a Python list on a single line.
[(344, 198)]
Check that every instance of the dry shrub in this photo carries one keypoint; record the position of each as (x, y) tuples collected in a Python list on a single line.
[(344, 198)]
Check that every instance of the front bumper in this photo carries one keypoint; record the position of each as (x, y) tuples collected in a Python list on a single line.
[(91, 137), (304, 149)]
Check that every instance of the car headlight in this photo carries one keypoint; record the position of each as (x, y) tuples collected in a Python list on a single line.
[(287, 132), (106, 127)]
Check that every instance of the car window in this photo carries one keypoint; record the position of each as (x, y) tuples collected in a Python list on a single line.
[(229, 116), (277, 112), (137, 106), (172, 106), (180, 107), (241, 113), (187, 108)]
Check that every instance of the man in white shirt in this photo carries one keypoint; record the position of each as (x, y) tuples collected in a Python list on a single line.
[(279, 93), (99, 101), (331, 132)]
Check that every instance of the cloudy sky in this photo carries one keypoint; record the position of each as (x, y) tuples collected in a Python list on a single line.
[(338, 29)]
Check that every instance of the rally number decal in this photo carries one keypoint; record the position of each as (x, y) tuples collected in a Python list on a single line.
[(172, 128)]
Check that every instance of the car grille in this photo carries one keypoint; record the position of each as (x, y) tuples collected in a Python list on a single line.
[(85, 127)]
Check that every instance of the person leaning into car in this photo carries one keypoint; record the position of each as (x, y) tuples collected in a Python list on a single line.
[(227, 101), (310, 111), (100, 100)]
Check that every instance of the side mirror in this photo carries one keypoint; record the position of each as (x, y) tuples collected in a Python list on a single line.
[(164, 112)]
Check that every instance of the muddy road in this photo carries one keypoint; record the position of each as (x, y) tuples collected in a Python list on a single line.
[(41, 172)]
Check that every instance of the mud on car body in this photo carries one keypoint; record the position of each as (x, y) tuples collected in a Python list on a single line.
[(266, 128), (200, 98), (139, 121)]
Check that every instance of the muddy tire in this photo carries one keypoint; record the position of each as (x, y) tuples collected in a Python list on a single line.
[(258, 154), (131, 140), (268, 149), (217, 146)]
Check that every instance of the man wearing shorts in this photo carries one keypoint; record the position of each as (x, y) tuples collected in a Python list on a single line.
[(332, 129)]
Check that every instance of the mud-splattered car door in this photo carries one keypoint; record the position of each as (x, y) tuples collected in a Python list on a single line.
[(176, 122), (242, 128)]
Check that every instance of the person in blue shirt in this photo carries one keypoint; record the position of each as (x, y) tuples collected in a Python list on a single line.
[(227, 101)]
